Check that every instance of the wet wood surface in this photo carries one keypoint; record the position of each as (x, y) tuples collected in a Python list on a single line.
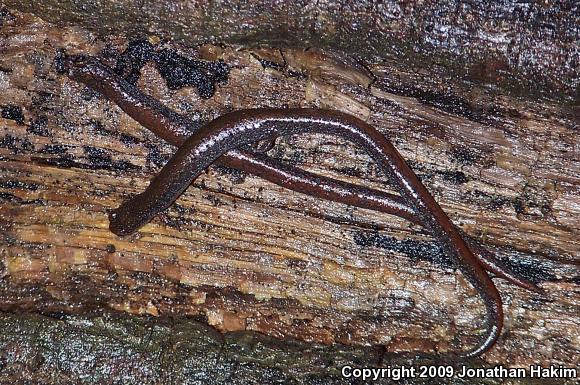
[(241, 254)]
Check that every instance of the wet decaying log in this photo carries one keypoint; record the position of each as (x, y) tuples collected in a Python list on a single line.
[(526, 48), (322, 281)]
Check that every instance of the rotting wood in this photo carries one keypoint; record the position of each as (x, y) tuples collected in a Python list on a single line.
[(526, 48), (245, 254)]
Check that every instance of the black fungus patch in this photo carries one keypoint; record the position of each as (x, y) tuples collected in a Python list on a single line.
[(67, 126), (58, 62), (449, 103), (180, 71), (16, 184), (38, 58), (465, 156), (38, 202), (123, 165), (530, 201), (98, 157), (100, 129), (43, 101), (446, 102), (155, 156), (177, 70), (12, 113), (528, 269), (455, 177), (172, 221), (415, 250), (433, 252), (492, 202), (26, 145), (130, 62), (350, 171), (7, 197), (88, 94), (17, 145), (39, 126), (54, 149), (233, 174), (127, 139), (6, 16), (297, 74)]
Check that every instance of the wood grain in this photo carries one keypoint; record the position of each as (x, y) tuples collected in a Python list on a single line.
[(243, 254)]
